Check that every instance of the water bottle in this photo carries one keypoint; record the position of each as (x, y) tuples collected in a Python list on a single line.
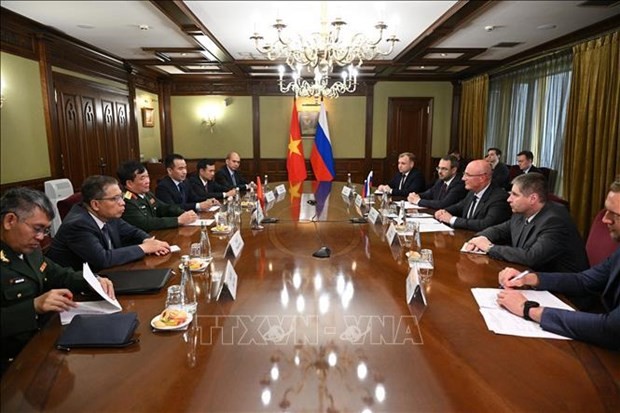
[(349, 183), (188, 287), (266, 182), (205, 244)]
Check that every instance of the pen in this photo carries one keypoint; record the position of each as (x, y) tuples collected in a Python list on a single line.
[(520, 275)]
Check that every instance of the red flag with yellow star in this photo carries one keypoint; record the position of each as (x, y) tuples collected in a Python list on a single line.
[(295, 161)]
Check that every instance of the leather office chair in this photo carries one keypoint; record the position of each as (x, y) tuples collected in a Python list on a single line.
[(554, 198), (599, 244), (65, 205)]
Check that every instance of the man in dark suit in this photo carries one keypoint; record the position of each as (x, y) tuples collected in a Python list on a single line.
[(174, 189), (407, 180), (142, 208), (601, 281), (229, 177), (540, 234), (484, 205), (448, 190), (31, 286), (203, 183), (501, 174), (525, 160), (94, 232)]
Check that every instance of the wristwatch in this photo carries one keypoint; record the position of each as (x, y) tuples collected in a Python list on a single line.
[(526, 309)]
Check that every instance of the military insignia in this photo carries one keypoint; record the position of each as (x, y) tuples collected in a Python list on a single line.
[(17, 280), (43, 266), (152, 201), (3, 257)]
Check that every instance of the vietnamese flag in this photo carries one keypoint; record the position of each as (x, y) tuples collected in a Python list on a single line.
[(259, 192), (295, 162), (321, 157)]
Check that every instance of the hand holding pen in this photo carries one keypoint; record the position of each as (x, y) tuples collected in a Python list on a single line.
[(512, 278)]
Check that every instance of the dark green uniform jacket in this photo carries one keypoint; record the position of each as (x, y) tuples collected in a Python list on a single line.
[(21, 281), (149, 213)]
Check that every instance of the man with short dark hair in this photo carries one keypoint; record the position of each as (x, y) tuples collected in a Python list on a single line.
[(174, 189), (448, 190), (601, 282), (142, 208), (94, 232), (540, 234), (525, 160), (203, 183), (408, 179), (483, 206), (32, 286), (501, 174), (228, 176)]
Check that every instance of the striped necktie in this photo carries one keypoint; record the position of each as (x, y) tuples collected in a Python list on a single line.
[(106, 236), (472, 207)]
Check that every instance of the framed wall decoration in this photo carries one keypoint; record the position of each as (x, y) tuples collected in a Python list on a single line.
[(308, 121), (148, 120)]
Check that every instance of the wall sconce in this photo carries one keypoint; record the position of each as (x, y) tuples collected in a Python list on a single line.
[(209, 117)]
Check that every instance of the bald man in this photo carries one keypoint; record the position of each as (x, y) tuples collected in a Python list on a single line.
[(485, 204), (229, 177)]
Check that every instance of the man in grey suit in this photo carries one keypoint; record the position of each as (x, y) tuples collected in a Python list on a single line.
[(540, 234), (94, 232), (448, 190), (484, 205), (601, 281)]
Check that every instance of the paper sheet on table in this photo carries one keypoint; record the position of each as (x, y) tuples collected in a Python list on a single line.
[(432, 227), (419, 215), (501, 321), (107, 306), (423, 219), (199, 222), (409, 205)]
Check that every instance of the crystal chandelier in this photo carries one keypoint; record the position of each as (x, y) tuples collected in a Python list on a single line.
[(318, 54)]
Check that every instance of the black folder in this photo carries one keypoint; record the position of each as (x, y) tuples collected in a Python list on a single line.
[(143, 281)]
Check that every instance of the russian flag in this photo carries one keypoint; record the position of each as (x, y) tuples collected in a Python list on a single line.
[(321, 157), (367, 186)]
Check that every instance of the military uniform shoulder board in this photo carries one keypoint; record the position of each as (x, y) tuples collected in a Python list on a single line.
[(129, 195)]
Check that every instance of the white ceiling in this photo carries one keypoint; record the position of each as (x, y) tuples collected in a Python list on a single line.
[(115, 26)]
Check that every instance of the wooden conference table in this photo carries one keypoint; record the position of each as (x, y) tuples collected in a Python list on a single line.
[(309, 334)]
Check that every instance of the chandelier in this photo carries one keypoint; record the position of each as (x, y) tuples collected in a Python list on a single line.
[(317, 55)]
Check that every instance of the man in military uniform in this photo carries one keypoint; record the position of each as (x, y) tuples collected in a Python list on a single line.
[(142, 208), (32, 285)]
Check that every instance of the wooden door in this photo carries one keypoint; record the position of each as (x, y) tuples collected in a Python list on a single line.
[(94, 128), (410, 130)]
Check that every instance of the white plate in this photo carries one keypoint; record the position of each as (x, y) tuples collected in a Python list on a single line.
[(179, 327), (215, 231), (203, 267)]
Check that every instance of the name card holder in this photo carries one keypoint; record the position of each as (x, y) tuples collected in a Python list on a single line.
[(415, 291), (270, 197), (373, 215), (280, 189), (390, 234), (346, 191), (235, 244), (229, 284)]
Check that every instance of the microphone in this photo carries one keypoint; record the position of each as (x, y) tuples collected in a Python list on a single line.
[(324, 251)]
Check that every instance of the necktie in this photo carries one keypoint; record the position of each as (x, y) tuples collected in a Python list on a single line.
[(182, 191), (234, 181), (472, 207), (106, 236), (443, 190), (402, 181)]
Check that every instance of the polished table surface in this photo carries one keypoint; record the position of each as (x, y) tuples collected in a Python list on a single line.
[(310, 334)]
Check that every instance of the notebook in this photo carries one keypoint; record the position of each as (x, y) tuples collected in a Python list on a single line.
[(138, 281)]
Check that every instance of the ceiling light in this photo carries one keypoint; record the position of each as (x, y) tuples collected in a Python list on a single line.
[(317, 54), (144, 27), (489, 28)]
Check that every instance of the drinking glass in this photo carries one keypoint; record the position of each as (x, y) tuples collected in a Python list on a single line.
[(175, 298), (426, 265)]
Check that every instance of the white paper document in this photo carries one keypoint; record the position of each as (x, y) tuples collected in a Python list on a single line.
[(108, 306), (501, 321), (435, 227), (409, 205), (199, 222)]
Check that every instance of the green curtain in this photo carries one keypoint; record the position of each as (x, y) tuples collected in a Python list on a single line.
[(472, 116), (592, 149)]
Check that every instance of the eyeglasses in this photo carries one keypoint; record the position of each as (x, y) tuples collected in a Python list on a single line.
[(116, 198), (39, 229), (468, 175)]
